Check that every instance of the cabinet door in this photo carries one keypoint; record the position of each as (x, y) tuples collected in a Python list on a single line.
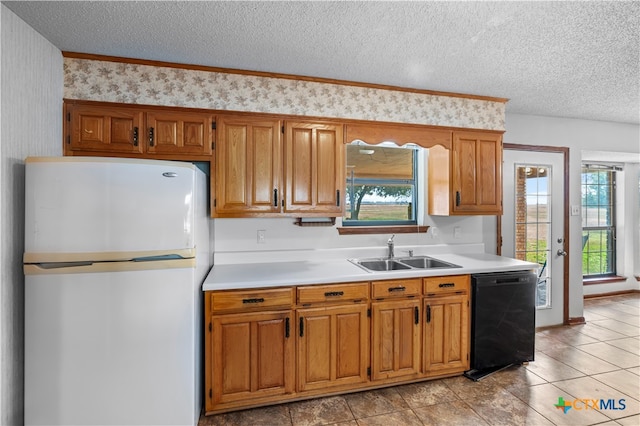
[(395, 339), (179, 133), (252, 357), (477, 173), (108, 129), (446, 336), (333, 346), (313, 172), (249, 167)]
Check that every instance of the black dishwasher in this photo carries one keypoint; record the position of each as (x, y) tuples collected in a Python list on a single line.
[(503, 310)]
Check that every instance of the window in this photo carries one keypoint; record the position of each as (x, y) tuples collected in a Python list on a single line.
[(598, 221), (382, 186), (533, 223)]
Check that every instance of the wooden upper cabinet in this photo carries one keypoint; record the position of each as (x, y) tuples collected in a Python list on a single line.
[(477, 172), (179, 133), (108, 129), (248, 166), (313, 170), (467, 180), (136, 130)]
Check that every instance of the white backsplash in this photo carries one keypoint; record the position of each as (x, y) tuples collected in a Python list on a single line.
[(236, 240)]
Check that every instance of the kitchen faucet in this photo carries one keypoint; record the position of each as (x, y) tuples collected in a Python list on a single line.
[(390, 245)]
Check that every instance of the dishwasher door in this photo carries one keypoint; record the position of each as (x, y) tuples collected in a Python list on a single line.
[(502, 319)]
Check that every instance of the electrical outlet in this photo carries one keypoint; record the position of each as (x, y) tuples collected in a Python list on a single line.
[(262, 239), (575, 210), (457, 232), (434, 231)]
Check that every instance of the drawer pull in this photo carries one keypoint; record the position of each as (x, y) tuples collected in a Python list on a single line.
[(333, 293), (394, 289), (443, 285), (257, 300)]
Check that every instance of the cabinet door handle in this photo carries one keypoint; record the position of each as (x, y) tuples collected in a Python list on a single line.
[(275, 197), (457, 198), (444, 285), (151, 136), (301, 327), (338, 198), (417, 315), (286, 328), (394, 289), (256, 300), (334, 293), (135, 136), (428, 313)]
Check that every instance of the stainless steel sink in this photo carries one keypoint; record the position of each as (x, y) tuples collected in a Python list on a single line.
[(382, 265), (401, 263), (425, 262)]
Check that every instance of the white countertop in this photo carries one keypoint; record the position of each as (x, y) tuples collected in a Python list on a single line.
[(277, 274)]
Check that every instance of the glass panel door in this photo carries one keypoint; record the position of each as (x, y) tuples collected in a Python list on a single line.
[(533, 223)]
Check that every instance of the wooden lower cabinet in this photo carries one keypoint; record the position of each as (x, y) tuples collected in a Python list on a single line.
[(252, 358), (395, 339), (333, 347), (447, 326), (272, 345)]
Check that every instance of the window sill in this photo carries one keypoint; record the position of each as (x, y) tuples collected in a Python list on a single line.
[(603, 280), (399, 229)]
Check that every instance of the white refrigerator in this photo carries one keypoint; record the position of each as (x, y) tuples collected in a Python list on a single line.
[(116, 251)]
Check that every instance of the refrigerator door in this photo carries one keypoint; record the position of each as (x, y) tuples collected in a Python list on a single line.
[(105, 205), (121, 348)]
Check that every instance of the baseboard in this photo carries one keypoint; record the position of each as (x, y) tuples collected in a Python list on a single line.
[(576, 321), (613, 293)]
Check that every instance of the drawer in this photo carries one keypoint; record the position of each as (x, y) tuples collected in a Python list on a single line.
[(449, 284), (333, 292), (396, 288), (251, 299)]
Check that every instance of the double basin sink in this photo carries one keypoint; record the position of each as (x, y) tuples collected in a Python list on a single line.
[(401, 263)]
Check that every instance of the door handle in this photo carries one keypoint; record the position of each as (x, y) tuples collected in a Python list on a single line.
[(561, 252), (287, 328)]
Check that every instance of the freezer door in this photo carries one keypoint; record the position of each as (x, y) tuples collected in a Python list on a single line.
[(102, 205)]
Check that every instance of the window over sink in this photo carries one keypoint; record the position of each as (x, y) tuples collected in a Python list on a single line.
[(381, 184)]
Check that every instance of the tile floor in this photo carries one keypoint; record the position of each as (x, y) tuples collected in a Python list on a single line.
[(599, 360)]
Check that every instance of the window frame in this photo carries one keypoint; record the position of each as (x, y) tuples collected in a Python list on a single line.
[(611, 228), (348, 223)]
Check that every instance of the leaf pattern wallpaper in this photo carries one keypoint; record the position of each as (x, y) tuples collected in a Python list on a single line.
[(88, 79)]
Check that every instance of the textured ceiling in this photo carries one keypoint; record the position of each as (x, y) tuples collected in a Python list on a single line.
[(563, 59)]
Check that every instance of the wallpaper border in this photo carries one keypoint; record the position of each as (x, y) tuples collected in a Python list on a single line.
[(152, 84)]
